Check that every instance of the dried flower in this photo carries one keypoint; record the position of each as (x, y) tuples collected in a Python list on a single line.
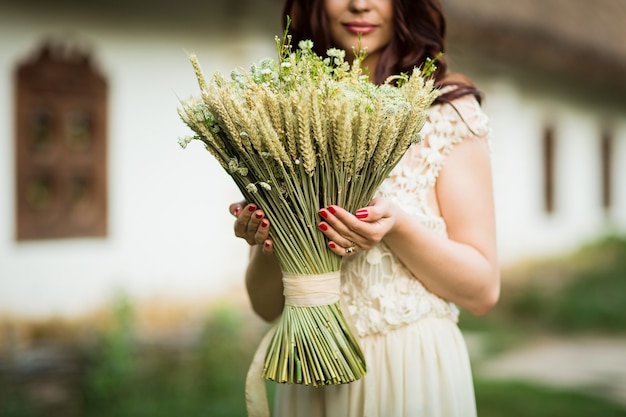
[(295, 135)]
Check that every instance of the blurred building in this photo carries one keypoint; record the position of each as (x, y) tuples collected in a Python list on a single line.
[(97, 195), (553, 74)]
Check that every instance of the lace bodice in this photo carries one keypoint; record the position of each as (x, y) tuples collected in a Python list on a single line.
[(379, 291)]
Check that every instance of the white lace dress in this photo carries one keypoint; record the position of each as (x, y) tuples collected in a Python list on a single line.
[(417, 360)]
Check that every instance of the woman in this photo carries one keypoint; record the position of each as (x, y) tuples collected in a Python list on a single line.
[(424, 245)]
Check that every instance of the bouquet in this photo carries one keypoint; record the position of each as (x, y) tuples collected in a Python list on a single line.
[(297, 134)]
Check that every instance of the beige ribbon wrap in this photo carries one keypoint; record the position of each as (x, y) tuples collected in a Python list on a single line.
[(311, 290), (299, 291)]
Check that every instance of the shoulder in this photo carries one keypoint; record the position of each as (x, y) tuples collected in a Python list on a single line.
[(459, 92), (468, 111), (460, 116)]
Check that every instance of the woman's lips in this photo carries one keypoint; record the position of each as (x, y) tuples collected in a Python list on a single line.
[(360, 27)]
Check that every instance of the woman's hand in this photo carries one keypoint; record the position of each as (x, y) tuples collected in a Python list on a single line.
[(349, 233), (263, 274), (251, 225)]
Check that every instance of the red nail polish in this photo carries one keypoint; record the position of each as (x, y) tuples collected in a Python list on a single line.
[(264, 223), (332, 210), (267, 244), (323, 226), (237, 211), (251, 208), (259, 215), (361, 214), (332, 245), (323, 213)]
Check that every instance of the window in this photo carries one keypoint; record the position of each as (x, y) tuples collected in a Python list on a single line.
[(548, 169), (606, 150), (60, 146)]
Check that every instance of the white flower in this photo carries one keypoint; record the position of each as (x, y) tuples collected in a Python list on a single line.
[(238, 77), (336, 53), (285, 64), (235, 166), (202, 114), (305, 45), (183, 141), (251, 188), (265, 186)]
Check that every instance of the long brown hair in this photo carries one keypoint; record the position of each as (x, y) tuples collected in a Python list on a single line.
[(420, 30)]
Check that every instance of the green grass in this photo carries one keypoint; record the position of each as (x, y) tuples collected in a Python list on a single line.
[(206, 379), (584, 292), (516, 399)]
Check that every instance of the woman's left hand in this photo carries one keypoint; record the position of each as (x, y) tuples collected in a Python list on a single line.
[(349, 233)]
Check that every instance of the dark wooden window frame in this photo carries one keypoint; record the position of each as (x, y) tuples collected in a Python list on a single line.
[(606, 155), (60, 146), (549, 156)]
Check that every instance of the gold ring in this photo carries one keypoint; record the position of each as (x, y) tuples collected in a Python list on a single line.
[(350, 249)]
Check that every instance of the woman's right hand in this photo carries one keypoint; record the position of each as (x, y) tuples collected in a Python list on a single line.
[(251, 225)]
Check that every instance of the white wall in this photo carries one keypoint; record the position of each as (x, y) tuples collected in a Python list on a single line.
[(170, 233), (525, 230), (516, 167)]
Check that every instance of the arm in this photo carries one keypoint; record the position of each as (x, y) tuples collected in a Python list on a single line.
[(263, 274), (462, 268), (264, 284)]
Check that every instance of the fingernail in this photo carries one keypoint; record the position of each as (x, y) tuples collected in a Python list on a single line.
[(332, 245), (264, 223), (237, 211), (323, 213), (323, 226), (251, 208), (267, 244), (259, 215), (332, 210), (361, 214)]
